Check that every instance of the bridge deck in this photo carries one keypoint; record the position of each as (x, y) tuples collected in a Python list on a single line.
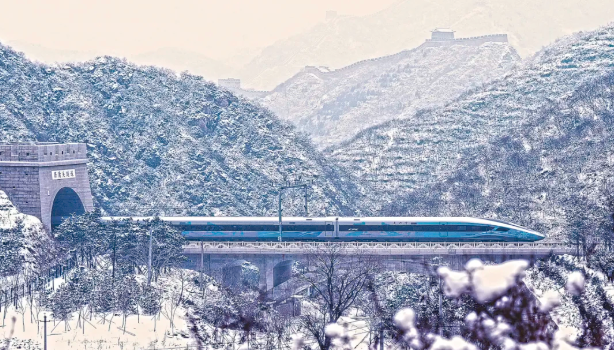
[(381, 248)]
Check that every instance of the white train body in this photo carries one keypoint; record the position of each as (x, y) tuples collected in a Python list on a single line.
[(389, 229)]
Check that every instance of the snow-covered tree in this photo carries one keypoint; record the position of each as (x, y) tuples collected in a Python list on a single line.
[(336, 281), (11, 250), (83, 236)]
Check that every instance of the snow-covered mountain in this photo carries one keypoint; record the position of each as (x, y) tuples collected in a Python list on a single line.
[(345, 39), (333, 106), (553, 171), (159, 142), (434, 146)]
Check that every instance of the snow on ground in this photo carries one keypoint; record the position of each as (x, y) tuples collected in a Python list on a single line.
[(567, 314), (141, 332), (9, 215)]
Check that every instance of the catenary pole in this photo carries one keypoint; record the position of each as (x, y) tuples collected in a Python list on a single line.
[(279, 212), (306, 211), (202, 267), (289, 185)]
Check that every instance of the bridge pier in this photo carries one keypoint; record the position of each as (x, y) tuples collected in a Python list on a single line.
[(266, 264), (275, 260)]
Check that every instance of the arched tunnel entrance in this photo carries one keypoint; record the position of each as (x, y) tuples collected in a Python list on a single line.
[(65, 203)]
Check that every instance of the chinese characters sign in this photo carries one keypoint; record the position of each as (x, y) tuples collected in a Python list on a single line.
[(63, 174)]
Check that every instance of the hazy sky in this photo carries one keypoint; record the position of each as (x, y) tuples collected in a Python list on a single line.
[(215, 28)]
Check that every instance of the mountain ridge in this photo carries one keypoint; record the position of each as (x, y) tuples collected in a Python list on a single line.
[(339, 42), (334, 105)]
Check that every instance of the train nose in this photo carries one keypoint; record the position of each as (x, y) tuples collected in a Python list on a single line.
[(536, 235)]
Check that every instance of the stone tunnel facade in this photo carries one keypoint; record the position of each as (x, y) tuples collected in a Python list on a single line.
[(46, 180)]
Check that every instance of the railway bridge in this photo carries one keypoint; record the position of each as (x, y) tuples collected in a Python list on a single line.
[(51, 182), (275, 259)]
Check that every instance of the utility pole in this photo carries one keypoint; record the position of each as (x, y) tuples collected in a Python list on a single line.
[(114, 248), (440, 313), (45, 331), (202, 267), (289, 185), (149, 259)]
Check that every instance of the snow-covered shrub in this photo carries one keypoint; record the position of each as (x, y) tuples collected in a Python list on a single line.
[(588, 316), (506, 314), (150, 300), (420, 293)]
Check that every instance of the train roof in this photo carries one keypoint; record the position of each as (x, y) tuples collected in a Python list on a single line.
[(340, 219), (301, 218)]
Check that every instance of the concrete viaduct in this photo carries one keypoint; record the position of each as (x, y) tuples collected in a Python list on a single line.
[(275, 259)]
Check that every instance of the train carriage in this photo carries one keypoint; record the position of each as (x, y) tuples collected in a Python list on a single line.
[(387, 229)]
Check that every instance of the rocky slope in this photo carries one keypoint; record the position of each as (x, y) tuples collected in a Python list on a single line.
[(338, 42), (24, 243), (334, 106), (164, 143), (433, 146)]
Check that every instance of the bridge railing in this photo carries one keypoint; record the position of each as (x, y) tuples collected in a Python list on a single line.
[(381, 248)]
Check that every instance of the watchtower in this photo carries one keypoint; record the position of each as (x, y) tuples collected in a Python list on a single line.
[(46, 179), (442, 34)]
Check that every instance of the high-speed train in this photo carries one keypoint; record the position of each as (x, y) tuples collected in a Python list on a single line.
[(388, 229)]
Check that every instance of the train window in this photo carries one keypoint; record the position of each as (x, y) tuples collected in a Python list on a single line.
[(397, 228), (307, 228), (502, 229), (364, 227), (454, 228), (224, 228)]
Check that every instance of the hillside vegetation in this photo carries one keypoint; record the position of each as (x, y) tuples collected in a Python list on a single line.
[(334, 106), (429, 147), (162, 143), (554, 172)]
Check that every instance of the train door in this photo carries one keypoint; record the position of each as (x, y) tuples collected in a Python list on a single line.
[(329, 229), (443, 230)]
